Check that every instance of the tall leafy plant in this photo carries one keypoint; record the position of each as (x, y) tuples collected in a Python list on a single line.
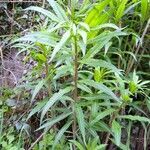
[(84, 89)]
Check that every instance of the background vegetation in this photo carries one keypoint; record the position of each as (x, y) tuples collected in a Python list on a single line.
[(75, 75)]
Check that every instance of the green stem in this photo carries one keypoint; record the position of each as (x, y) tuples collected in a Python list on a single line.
[(47, 76), (75, 92), (75, 78)]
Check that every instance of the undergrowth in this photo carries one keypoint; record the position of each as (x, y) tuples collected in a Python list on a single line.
[(88, 87)]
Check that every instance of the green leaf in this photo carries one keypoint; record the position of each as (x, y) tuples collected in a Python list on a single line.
[(116, 129), (53, 121), (95, 13), (53, 100), (82, 47), (131, 7), (58, 26), (83, 87), (102, 88), (81, 121), (120, 10), (83, 34), (106, 36), (106, 25), (97, 74), (101, 147), (101, 115), (107, 46), (100, 41), (134, 57), (85, 25), (135, 118), (144, 10), (94, 108), (63, 70), (44, 12), (121, 146), (38, 37), (58, 10), (38, 107), (100, 63), (60, 44), (77, 144), (37, 89), (74, 29), (60, 134), (41, 57)]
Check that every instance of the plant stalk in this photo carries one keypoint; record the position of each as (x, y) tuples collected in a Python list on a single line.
[(75, 92), (43, 4), (47, 76), (131, 61), (75, 78)]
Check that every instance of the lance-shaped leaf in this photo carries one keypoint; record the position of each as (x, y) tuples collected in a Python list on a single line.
[(100, 63), (60, 44), (106, 25), (37, 89), (116, 129), (83, 87), (100, 41), (58, 10), (145, 9), (60, 134), (81, 122), (53, 121), (95, 13), (135, 118), (83, 34), (44, 12), (53, 100), (101, 115), (102, 88), (77, 144), (40, 37), (37, 108), (120, 10)]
